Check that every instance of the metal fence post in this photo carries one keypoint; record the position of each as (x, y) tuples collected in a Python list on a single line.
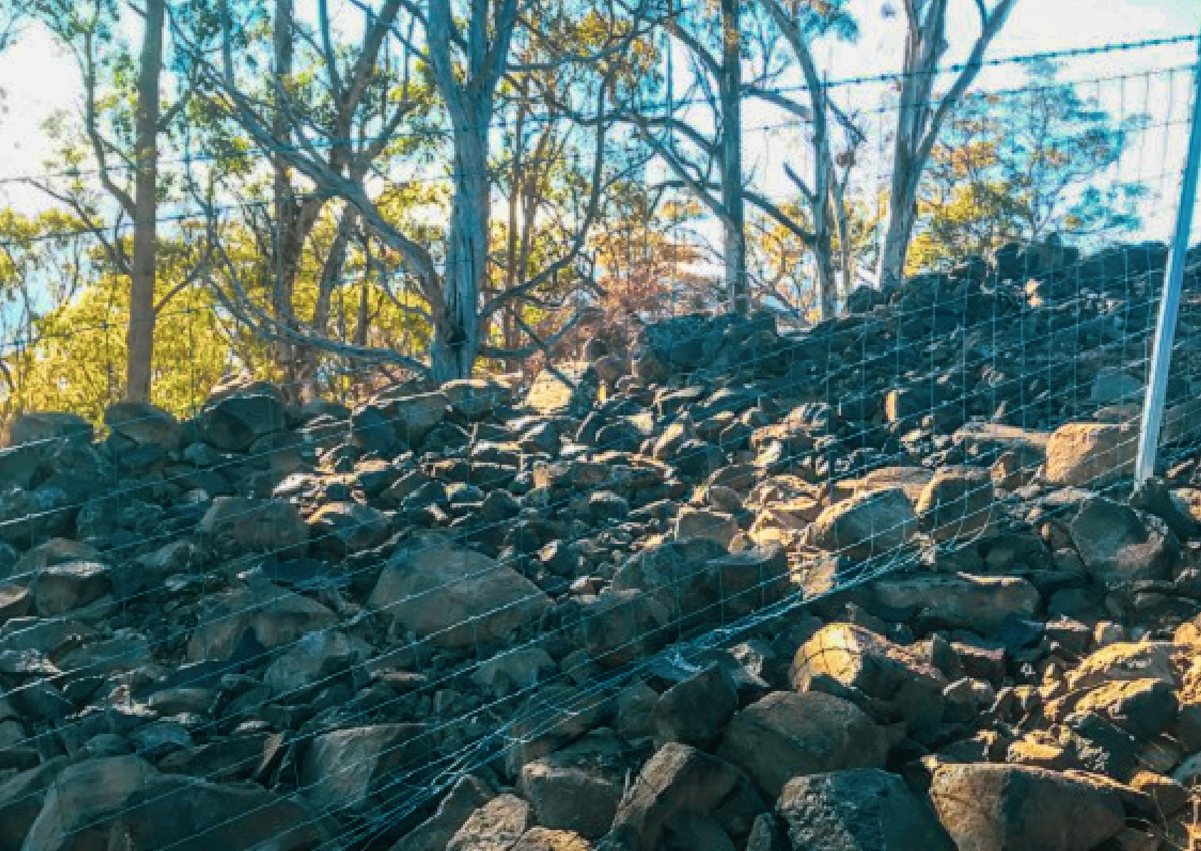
[(1169, 305)]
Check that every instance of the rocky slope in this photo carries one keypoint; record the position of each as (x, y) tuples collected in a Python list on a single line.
[(877, 585)]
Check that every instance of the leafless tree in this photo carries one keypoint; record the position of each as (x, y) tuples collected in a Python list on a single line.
[(708, 164), (468, 51), (921, 115), (825, 191)]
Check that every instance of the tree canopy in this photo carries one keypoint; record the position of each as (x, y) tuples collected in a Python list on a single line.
[(334, 193)]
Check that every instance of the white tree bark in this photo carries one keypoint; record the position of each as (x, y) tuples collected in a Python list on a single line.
[(823, 192), (469, 98), (732, 202), (919, 118)]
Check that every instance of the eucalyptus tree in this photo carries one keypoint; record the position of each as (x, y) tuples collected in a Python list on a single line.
[(123, 125), (921, 114), (800, 24), (463, 51), (298, 86), (1024, 165), (701, 145)]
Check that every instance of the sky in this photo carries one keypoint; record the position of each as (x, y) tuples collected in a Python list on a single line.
[(37, 79)]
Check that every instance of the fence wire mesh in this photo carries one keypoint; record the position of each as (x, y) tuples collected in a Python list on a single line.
[(359, 604)]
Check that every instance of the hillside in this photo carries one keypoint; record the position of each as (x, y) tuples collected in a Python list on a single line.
[(879, 584)]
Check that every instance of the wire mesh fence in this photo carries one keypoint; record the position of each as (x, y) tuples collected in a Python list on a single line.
[(358, 606)]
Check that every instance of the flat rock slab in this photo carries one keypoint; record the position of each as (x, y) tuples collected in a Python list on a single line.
[(959, 601), (912, 480)]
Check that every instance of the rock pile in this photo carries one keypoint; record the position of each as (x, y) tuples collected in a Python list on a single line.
[(877, 585)]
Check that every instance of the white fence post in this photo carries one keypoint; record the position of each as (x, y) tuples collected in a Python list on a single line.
[(1169, 305)]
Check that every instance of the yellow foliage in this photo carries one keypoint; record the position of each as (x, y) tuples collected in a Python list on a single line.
[(76, 359)]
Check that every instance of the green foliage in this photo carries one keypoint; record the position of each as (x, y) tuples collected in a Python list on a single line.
[(1024, 165), (76, 358)]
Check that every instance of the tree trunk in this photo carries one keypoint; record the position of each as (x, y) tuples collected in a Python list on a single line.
[(902, 215), (457, 324), (306, 360), (517, 181), (844, 246), (827, 283), (734, 218), (919, 118), (140, 338), (286, 249)]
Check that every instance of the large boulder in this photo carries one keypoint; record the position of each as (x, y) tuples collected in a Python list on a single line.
[(21, 797), (786, 735), (678, 574), (579, 787), (50, 448), (752, 578), (192, 815), (232, 422), (29, 517), (121, 801), (680, 783), (268, 614), (991, 807), (342, 769), (696, 710), (394, 419), (889, 681), (1118, 546), (1090, 455), (261, 525), (858, 810), (314, 659), (1143, 707), (957, 504), (624, 625), (143, 424), (476, 398), (61, 588), (43, 427), (866, 525), (455, 597), (339, 529), (1123, 661), (465, 797)]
